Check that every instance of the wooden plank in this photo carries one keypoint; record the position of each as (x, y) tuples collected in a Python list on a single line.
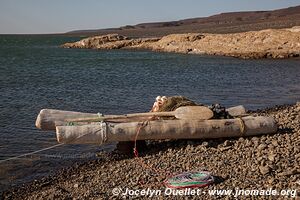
[(185, 112)]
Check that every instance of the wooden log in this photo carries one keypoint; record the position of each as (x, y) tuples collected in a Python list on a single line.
[(48, 119), (166, 129)]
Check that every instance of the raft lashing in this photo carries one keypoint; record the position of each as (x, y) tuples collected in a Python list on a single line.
[(192, 122)]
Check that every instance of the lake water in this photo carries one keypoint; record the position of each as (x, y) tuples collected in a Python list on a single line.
[(35, 73)]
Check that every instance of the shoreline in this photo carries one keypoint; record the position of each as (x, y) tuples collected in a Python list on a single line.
[(268, 43), (260, 162)]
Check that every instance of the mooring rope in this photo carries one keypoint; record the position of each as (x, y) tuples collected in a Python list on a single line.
[(51, 147), (31, 153), (242, 125), (161, 173), (172, 180)]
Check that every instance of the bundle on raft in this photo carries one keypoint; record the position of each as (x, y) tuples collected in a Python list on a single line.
[(104, 132)]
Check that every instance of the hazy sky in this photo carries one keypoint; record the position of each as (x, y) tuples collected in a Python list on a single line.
[(53, 16)]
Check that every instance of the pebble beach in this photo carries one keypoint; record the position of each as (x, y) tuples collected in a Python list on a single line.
[(267, 162)]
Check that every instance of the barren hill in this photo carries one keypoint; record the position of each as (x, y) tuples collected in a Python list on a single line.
[(232, 22)]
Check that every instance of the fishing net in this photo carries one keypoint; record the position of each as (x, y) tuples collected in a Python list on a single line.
[(174, 102), (190, 180)]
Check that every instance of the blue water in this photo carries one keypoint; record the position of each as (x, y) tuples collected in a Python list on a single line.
[(35, 73)]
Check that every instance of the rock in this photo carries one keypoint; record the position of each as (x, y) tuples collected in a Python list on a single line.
[(261, 147), (289, 172), (76, 185), (194, 37), (260, 158), (264, 170), (110, 41), (272, 156), (225, 148), (205, 144), (275, 143), (294, 29), (271, 180)]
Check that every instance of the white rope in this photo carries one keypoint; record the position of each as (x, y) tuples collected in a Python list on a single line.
[(103, 132), (34, 152), (103, 137)]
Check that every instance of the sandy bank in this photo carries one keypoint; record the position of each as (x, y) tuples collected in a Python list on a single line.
[(269, 43)]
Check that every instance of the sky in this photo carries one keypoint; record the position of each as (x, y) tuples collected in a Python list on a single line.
[(58, 16)]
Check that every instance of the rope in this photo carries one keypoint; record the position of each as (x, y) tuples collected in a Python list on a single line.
[(173, 180), (103, 132), (159, 172), (103, 135), (242, 125), (30, 153)]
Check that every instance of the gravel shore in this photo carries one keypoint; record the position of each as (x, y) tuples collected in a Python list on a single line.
[(252, 163)]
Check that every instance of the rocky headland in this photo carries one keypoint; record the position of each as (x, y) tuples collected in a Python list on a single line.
[(269, 43), (260, 162)]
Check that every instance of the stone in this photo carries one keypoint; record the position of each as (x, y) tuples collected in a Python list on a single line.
[(289, 172), (264, 170), (227, 143), (261, 147), (205, 144), (271, 157), (271, 180)]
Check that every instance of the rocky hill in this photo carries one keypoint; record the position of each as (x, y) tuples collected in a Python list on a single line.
[(232, 22)]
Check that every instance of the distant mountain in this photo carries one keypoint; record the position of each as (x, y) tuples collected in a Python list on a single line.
[(222, 23)]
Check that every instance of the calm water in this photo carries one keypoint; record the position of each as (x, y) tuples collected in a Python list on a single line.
[(35, 73)]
